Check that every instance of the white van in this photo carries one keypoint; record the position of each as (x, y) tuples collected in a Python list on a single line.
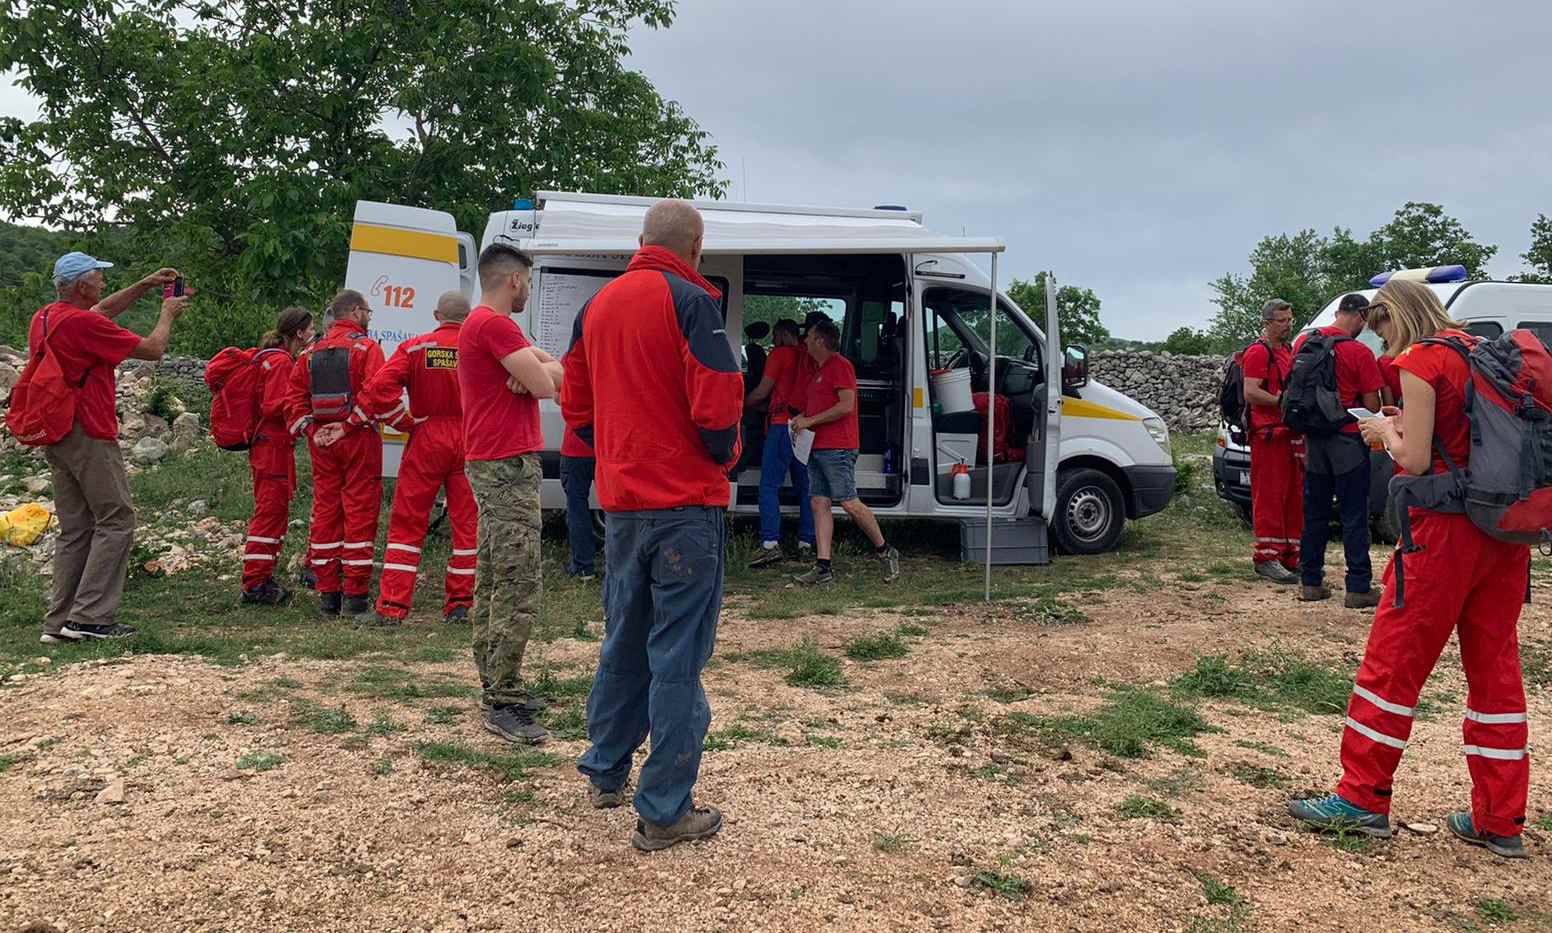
[(1485, 308), (909, 302)]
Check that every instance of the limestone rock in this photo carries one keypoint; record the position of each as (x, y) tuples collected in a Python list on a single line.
[(8, 376), (113, 793), (186, 425), (156, 426), (148, 450), (132, 428)]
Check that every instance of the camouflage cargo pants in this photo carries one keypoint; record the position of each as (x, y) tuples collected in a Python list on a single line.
[(508, 584)]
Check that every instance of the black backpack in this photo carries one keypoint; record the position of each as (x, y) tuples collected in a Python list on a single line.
[(1231, 395), (328, 372), (1311, 405)]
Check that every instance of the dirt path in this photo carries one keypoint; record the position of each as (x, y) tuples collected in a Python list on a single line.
[(918, 797)]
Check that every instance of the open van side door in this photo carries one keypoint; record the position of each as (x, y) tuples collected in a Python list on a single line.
[(1043, 453)]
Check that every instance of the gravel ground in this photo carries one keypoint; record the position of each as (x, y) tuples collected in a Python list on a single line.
[(899, 802)]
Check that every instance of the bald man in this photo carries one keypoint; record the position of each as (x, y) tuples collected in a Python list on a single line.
[(416, 392), (652, 383)]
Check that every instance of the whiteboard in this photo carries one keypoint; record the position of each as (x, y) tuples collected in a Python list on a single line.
[(561, 297)]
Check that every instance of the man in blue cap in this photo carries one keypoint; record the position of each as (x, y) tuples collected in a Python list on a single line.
[(91, 491)]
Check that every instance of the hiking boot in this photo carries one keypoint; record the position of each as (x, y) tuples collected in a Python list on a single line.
[(113, 631), (329, 603), (268, 593), (307, 578), (1314, 594), (890, 559), (515, 724), (1277, 573), (1362, 600), (457, 614), (815, 577), (768, 557), (1333, 814), (387, 621), (57, 638), (357, 607), (697, 823), (1506, 846), (606, 799)]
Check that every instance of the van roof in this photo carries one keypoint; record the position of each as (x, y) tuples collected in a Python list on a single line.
[(572, 223)]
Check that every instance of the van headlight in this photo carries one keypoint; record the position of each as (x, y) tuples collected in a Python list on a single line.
[(1157, 430)]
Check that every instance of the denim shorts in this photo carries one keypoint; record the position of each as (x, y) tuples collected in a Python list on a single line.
[(832, 475)]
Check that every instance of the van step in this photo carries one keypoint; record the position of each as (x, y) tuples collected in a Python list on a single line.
[(1022, 541)]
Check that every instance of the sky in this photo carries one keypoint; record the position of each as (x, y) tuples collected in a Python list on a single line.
[(1133, 147)]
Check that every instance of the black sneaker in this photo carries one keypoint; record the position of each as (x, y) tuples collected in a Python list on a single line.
[(457, 614), (75, 631), (815, 577), (307, 578), (357, 607), (329, 603), (268, 593), (515, 724), (768, 557)]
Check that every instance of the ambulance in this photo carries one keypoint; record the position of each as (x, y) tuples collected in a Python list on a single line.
[(915, 312)]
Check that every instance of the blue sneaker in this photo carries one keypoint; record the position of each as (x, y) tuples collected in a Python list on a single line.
[(1506, 846), (1333, 814)]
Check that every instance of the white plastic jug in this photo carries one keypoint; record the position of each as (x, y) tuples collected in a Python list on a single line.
[(961, 481), (951, 390)]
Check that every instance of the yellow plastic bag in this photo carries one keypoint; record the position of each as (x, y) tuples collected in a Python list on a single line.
[(22, 526)]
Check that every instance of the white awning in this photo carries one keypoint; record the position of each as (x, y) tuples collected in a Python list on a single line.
[(604, 224)]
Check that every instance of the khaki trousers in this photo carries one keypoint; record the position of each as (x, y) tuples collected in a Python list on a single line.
[(96, 530)]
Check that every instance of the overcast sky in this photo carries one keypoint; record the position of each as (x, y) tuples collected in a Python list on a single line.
[(1135, 147)]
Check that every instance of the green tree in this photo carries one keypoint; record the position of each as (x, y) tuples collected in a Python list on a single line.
[(1422, 235), (1283, 266), (1189, 341), (1077, 309), (1539, 256), (232, 139)]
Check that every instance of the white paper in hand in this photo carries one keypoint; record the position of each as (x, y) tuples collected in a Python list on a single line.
[(802, 445)]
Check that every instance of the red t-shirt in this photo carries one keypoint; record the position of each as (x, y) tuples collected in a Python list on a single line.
[(1356, 371), (787, 368), (1444, 370), (824, 389), (1391, 375), (497, 422), (1271, 370), (89, 344)]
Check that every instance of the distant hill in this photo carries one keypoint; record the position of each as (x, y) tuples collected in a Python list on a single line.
[(28, 249)]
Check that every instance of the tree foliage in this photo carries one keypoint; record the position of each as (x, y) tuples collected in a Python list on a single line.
[(1189, 341), (1539, 256), (1307, 270), (234, 138), (1077, 309)]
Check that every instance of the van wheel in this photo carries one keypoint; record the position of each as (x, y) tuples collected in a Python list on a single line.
[(1089, 512), (599, 523)]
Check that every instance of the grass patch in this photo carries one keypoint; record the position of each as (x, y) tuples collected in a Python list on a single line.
[(807, 666), (323, 720), (569, 723), (1262, 747), (1353, 843), (243, 718), (1175, 784), (382, 767), (1049, 610), (260, 761), (1544, 822), (1495, 912), (826, 741), (443, 715), (891, 843), (553, 688), (512, 766), (912, 630), (1270, 680), (904, 699), (1131, 722), (879, 647), (1137, 807), (1257, 776), (1008, 694), (997, 775), (1217, 892), (740, 734), (1536, 663), (383, 724), (1011, 887), (8, 761), (394, 683)]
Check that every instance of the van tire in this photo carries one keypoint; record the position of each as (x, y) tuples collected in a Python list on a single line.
[(600, 524), (1090, 513)]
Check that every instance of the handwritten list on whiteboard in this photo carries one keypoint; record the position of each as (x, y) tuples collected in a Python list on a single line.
[(561, 297)]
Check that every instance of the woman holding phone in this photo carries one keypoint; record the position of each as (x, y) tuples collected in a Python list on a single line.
[(1457, 578), (271, 459)]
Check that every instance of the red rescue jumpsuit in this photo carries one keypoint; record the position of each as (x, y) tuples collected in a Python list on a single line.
[(427, 368), (1458, 579), (272, 461), (1276, 475), (348, 474)]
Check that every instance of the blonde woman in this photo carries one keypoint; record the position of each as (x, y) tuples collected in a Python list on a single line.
[(1457, 579)]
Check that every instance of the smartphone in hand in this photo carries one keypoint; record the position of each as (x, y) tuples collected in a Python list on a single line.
[(175, 290), (1362, 413)]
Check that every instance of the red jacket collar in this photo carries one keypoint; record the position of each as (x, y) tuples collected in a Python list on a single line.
[(660, 259), (346, 328)]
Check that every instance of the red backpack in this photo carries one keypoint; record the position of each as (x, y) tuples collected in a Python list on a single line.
[(237, 395), (42, 403)]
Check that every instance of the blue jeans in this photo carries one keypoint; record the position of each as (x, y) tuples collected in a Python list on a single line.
[(1352, 496), (662, 596), (576, 478), (776, 464)]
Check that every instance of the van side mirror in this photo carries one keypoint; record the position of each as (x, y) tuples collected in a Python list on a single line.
[(1075, 367)]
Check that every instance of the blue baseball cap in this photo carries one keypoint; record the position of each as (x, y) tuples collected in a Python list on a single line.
[(72, 266)]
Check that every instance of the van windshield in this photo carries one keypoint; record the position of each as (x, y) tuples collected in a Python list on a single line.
[(960, 319)]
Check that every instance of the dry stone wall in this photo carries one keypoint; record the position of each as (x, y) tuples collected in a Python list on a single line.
[(1183, 390)]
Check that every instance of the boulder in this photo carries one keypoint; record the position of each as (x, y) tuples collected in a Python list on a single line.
[(37, 485), (132, 428), (8, 376), (148, 450), (156, 426), (186, 425), (181, 445)]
